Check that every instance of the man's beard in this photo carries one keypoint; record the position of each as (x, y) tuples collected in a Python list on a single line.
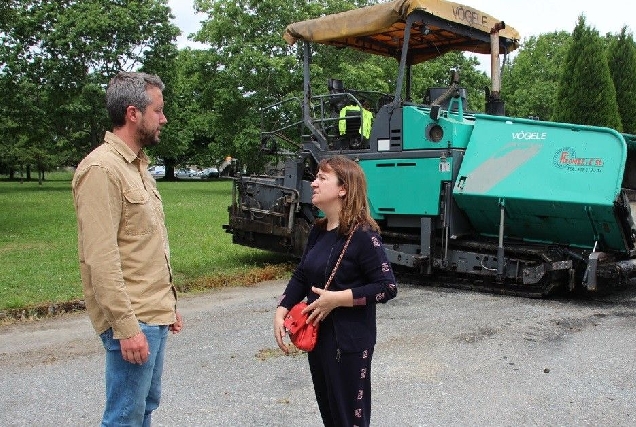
[(147, 138)]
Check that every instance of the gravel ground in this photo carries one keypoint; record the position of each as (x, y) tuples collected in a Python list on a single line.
[(444, 358)]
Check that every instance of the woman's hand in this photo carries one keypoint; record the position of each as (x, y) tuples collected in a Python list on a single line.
[(326, 302), (279, 328)]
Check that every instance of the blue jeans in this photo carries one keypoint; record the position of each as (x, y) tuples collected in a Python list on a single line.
[(133, 391)]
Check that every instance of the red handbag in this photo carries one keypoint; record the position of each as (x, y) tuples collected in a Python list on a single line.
[(302, 334)]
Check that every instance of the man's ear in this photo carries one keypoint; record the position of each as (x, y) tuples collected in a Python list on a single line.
[(132, 114)]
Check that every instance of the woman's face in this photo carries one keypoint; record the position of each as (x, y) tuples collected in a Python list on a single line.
[(327, 190)]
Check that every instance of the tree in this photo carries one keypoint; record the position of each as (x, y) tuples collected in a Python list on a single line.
[(586, 94), (530, 80), (250, 66), (622, 64), (190, 127), (57, 57)]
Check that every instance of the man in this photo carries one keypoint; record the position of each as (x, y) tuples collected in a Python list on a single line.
[(124, 253)]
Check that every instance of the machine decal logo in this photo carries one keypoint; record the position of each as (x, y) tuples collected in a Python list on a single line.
[(471, 16), (566, 158), (528, 136)]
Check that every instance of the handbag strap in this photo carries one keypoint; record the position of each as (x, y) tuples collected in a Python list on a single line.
[(335, 268)]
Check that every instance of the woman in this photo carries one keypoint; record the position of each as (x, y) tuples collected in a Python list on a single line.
[(340, 364)]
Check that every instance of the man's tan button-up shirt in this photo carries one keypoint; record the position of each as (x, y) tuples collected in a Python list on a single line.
[(123, 242)]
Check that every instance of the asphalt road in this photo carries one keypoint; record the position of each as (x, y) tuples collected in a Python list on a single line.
[(444, 358)]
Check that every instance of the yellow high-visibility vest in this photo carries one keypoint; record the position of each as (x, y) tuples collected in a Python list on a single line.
[(366, 122)]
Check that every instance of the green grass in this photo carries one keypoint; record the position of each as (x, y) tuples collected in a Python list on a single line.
[(38, 241)]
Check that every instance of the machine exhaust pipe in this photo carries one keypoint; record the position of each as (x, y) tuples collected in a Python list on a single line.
[(494, 104)]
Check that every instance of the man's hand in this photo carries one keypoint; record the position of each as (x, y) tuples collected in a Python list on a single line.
[(135, 349), (176, 326)]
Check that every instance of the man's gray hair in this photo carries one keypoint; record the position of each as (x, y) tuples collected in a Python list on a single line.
[(126, 89)]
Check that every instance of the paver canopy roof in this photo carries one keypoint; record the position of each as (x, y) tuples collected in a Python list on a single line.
[(440, 26)]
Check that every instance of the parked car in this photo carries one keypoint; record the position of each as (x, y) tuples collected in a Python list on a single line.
[(185, 173), (209, 173), (157, 171)]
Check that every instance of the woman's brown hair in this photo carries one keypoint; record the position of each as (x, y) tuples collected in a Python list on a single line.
[(355, 206)]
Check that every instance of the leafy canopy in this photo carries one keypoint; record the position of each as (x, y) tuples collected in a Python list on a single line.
[(586, 94)]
